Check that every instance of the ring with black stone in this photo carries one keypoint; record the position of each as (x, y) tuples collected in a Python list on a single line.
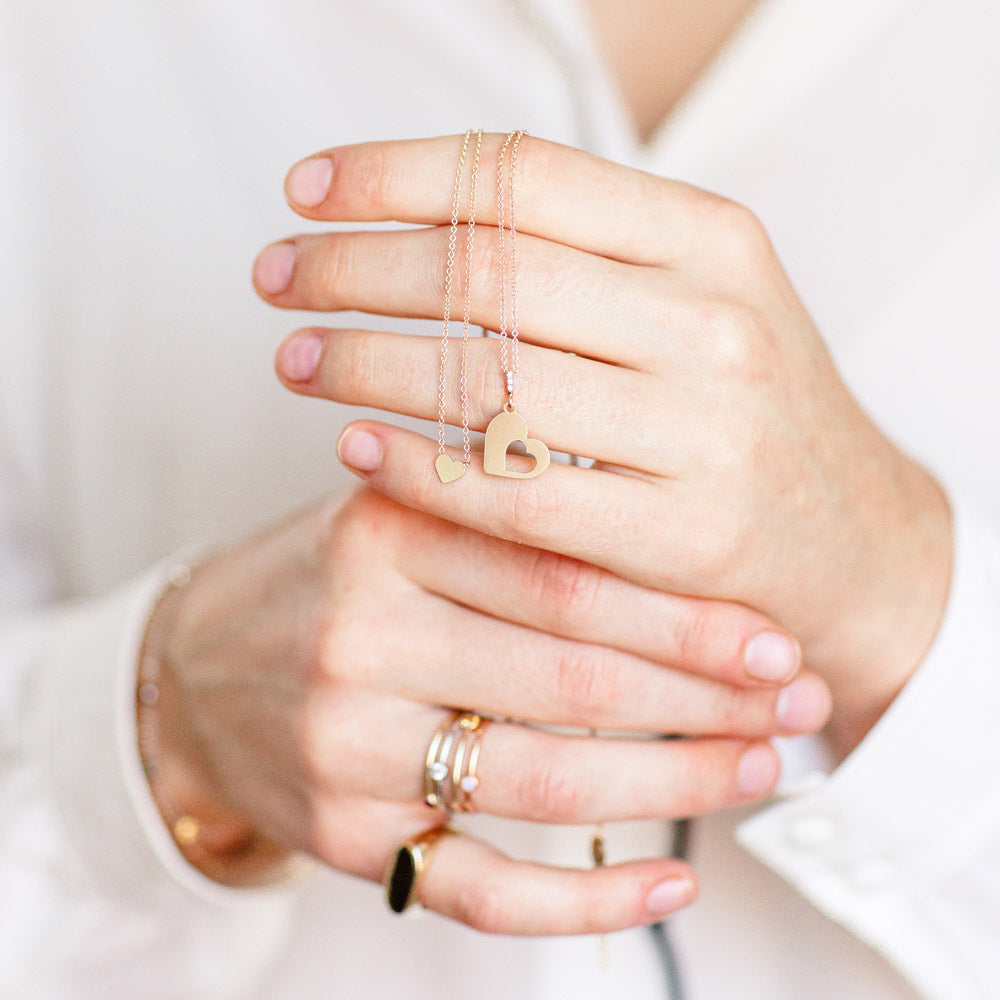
[(407, 865)]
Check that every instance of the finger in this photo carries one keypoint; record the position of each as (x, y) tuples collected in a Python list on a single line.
[(525, 773), (587, 514), (399, 372), (537, 677), (534, 775), (629, 215), (542, 777), (566, 299), (472, 882), (566, 597)]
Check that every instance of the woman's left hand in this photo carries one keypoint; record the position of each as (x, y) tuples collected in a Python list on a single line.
[(732, 461)]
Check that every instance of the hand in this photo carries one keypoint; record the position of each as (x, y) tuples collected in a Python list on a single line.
[(732, 461), (304, 672)]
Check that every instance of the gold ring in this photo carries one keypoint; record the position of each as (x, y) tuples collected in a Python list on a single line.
[(437, 772), (452, 760), (464, 779), (407, 866)]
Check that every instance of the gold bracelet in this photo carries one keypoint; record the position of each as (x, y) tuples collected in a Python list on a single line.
[(230, 853), (184, 828)]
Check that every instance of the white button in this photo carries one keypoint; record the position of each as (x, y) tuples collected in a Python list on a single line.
[(871, 873), (812, 830)]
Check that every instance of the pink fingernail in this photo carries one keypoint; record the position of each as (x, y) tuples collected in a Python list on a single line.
[(803, 706), (670, 895), (771, 656), (308, 182), (298, 357), (273, 269), (757, 771), (360, 450)]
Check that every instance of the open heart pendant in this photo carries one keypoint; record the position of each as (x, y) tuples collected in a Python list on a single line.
[(506, 428)]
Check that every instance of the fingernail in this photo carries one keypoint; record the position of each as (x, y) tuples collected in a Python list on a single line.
[(757, 771), (273, 269), (360, 450), (298, 357), (803, 706), (670, 895), (308, 182), (771, 656)]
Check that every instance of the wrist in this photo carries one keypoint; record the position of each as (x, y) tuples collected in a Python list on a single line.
[(893, 623), (208, 831)]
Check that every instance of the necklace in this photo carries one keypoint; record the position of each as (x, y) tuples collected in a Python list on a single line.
[(508, 426), (448, 468)]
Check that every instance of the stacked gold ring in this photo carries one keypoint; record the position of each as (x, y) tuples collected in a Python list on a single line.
[(452, 761)]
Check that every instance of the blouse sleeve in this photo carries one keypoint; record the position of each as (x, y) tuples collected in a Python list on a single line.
[(901, 843), (103, 900)]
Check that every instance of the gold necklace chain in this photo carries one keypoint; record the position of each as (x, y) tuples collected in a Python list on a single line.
[(448, 470), (507, 225), (508, 427)]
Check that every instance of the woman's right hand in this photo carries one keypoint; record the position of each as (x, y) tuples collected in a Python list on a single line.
[(304, 672)]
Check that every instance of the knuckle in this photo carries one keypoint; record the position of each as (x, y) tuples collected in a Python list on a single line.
[(319, 744), (482, 271), (418, 492), (353, 372), (483, 906), (730, 232), (708, 772), (352, 548), (585, 681), (376, 176), (735, 339), (540, 175), (348, 525), (735, 217), (566, 588), (334, 837), (718, 554), (345, 645), (485, 379), (532, 510), (334, 261), (742, 230), (548, 790), (732, 712), (693, 635), (536, 380)]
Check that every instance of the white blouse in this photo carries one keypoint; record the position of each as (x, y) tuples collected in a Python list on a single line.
[(142, 149)]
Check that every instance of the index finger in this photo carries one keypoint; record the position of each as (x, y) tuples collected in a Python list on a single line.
[(562, 194)]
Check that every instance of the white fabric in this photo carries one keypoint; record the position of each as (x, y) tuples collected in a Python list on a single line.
[(142, 147)]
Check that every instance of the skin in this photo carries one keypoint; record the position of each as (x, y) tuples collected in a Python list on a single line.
[(303, 672), (656, 50), (733, 463)]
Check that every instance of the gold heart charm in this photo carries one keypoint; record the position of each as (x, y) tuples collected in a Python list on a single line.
[(449, 469), (507, 427)]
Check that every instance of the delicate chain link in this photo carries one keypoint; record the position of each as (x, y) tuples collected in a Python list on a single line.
[(507, 226), (448, 276), (514, 332), (502, 253), (448, 285), (470, 235)]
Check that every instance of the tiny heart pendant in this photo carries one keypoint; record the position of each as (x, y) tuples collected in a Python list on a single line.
[(506, 428), (449, 469)]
